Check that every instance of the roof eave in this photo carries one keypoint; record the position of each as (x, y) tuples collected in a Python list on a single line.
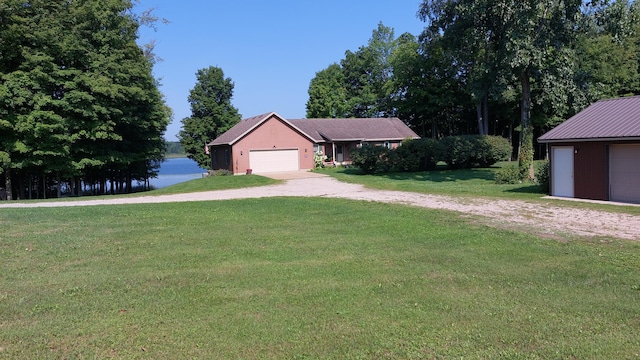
[(631, 138), (392, 139)]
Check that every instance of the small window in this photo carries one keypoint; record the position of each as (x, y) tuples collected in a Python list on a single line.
[(317, 148), (387, 145)]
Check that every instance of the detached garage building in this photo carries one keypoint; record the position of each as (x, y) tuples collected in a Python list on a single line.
[(596, 153), (269, 143)]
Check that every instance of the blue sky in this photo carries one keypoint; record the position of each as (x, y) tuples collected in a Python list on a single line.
[(270, 49)]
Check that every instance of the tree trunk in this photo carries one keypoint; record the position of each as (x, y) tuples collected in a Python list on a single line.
[(525, 152), (482, 111), (7, 184), (479, 117), (58, 189), (485, 114)]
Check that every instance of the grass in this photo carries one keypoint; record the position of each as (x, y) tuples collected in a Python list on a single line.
[(462, 183), (175, 156), (306, 279), (466, 182), (210, 183)]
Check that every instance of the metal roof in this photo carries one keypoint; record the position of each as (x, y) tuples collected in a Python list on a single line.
[(611, 119)]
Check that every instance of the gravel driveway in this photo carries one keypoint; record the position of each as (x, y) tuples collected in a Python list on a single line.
[(543, 219)]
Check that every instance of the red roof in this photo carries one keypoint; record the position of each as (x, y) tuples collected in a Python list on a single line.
[(612, 119)]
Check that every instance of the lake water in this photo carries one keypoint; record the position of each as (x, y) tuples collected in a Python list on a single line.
[(174, 171)]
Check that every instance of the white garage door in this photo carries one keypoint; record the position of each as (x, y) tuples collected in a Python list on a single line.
[(266, 161), (624, 173)]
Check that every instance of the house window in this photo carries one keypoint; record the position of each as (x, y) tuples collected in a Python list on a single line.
[(317, 148)]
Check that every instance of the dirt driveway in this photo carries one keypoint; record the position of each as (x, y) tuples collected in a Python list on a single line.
[(546, 220)]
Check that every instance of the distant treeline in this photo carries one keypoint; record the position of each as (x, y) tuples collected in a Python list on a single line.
[(174, 148)]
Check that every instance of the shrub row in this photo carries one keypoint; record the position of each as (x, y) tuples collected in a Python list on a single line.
[(466, 151), (512, 174)]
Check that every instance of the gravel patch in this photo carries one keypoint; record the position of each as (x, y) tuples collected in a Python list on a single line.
[(542, 219)]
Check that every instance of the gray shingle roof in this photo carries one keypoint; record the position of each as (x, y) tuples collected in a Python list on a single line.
[(365, 129), (603, 120), (321, 130), (242, 128)]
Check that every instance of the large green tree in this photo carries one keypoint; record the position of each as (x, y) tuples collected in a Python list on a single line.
[(526, 43), (608, 50), (360, 81), (327, 94), (211, 113), (78, 102), (424, 90)]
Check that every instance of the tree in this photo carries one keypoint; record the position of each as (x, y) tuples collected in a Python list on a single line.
[(357, 87), (327, 94), (525, 43), (608, 51), (423, 88), (211, 113), (77, 97)]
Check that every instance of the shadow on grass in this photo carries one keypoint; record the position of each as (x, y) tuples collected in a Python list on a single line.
[(438, 175), (527, 189)]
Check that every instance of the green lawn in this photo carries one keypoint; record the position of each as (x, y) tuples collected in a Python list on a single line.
[(210, 183), (301, 278), (464, 182), (461, 183)]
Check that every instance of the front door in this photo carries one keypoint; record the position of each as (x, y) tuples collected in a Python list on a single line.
[(339, 153), (562, 171)]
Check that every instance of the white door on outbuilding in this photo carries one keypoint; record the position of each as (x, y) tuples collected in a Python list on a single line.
[(562, 171), (268, 161), (624, 173)]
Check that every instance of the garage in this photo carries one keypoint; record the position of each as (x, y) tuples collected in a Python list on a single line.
[(605, 138), (268, 161), (624, 173)]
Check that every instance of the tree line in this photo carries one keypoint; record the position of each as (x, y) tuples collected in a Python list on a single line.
[(79, 107), (509, 68)]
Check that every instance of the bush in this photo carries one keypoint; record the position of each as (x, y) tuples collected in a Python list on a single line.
[(318, 159), (467, 151), (542, 177), (456, 151), (493, 149), (508, 175), (415, 155), (220, 172), (370, 158)]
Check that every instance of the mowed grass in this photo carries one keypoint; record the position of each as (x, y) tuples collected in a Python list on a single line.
[(291, 278), (474, 183), (211, 183), (479, 182)]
